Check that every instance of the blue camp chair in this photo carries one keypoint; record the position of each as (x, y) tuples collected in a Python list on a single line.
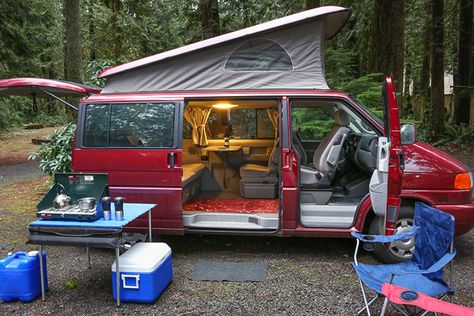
[(434, 233)]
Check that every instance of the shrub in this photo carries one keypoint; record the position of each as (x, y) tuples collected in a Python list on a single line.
[(55, 155), (460, 135)]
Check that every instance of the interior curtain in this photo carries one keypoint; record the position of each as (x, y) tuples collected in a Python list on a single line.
[(197, 118), (273, 115)]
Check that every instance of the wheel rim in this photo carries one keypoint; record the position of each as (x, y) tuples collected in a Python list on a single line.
[(403, 249)]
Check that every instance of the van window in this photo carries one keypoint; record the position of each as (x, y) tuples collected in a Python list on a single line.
[(129, 125), (259, 55), (241, 124), (311, 123), (96, 128)]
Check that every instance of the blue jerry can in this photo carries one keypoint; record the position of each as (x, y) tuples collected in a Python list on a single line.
[(20, 276)]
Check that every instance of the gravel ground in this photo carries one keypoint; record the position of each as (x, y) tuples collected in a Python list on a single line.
[(305, 277), (19, 172)]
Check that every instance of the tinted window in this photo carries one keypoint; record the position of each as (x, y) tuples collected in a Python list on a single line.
[(265, 127), (96, 126), (240, 124), (129, 125), (259, 55), (311, 123)]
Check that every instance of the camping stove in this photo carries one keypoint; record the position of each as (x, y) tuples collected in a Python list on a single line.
[(72, 212)]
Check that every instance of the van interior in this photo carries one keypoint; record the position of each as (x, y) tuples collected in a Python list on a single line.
[(231, 163)]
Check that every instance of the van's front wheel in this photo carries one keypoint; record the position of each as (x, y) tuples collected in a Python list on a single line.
[(397, 251)]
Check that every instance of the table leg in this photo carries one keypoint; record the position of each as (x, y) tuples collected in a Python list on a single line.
[(226, 158), (43, 294), (88, 251), (117, 274), (150, 239)]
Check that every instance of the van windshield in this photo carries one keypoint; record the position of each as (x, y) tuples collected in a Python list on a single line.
[(367, 109)]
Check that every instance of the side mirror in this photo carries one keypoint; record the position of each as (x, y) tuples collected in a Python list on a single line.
[(408, 133)]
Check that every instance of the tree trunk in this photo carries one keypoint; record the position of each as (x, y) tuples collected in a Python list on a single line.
[(422, 87), (388, 40), (311, 4), (437, 68), (209, 18), (462, 75), (73, 46), (116, 6), (91, 37)]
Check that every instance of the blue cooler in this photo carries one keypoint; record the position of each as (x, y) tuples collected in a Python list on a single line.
[(145, 272), (20, 276)]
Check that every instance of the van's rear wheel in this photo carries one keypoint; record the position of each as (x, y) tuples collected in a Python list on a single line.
[(397, 251)]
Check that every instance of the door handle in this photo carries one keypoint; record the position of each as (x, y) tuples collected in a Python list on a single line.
[(171, 160)]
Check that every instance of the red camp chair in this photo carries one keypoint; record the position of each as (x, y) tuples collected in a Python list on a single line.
[(402, 296)]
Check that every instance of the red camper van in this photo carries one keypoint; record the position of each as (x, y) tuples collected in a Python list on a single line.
[(240, 134)]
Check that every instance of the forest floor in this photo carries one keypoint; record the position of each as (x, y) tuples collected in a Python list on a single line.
[(306, 276), (15, 147)]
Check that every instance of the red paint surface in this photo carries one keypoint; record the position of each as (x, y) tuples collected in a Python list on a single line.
[(144, 175), (70, 86), (395, 171), (238, 205)]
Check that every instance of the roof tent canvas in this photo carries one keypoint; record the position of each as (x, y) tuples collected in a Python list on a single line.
[(286, 53)]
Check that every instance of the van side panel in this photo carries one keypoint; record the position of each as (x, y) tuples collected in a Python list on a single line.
[(141, 175)]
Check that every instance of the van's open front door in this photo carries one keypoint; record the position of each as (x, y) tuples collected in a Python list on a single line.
[(45, 88), (386, 181)]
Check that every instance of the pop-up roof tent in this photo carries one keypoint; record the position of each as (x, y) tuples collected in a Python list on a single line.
[(286, 53)]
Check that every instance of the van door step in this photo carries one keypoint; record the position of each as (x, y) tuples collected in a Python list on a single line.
[(231, 221), (332, 215)]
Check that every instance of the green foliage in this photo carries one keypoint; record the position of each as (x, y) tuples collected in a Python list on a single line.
[(30, 46), (314, 130), (367, 88), (32, 35), (311, 123), (71, 283), (94, 68), (55, 156), (459, 135), (49, 120), (9, 116)]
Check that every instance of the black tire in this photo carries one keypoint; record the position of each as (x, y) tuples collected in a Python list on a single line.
[(398, 251)]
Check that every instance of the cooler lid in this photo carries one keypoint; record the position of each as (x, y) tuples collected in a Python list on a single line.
[(143, 257)]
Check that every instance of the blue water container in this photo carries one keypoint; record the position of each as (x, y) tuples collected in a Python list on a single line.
[(145, 272), (20, 276)]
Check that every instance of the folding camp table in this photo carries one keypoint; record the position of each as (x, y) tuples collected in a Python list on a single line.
[(96, 234)]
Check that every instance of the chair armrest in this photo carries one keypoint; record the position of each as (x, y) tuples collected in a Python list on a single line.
[(434, 268), (383, 238), (403, 296)]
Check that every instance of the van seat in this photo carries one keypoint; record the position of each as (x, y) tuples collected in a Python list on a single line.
[(256, 171), (191, 171), (260, 182)]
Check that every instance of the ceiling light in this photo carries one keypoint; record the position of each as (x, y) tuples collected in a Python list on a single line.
[(224, 106)]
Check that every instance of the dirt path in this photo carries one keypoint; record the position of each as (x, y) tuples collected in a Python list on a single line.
[(15, 147), (24, 171)]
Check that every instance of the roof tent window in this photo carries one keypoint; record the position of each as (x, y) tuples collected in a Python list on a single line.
[(259, 55)]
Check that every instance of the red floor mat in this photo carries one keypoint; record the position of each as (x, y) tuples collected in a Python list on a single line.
[(237, 205)]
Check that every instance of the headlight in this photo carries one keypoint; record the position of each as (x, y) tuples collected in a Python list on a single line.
[(463, 181)]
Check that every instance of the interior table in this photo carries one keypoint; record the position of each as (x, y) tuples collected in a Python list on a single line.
[(96, 234), (225, 151)]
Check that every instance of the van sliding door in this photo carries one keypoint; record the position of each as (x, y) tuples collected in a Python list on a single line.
[(138, 146)]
